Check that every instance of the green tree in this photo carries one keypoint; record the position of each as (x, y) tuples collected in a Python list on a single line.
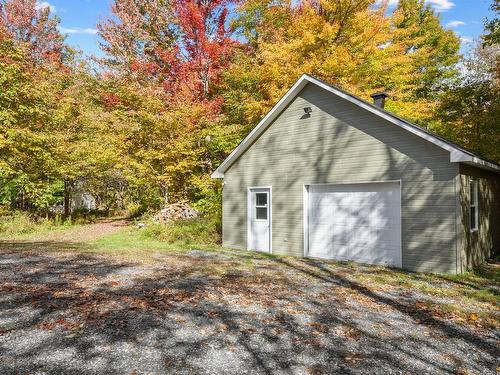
[(25, 125), (50, 129), (492, 27), (470, 107)]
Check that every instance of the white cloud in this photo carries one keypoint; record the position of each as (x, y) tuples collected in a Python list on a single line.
[(391, 3), (77, 30), (45, 4), (466, 39), (455, 23), (441, 5)]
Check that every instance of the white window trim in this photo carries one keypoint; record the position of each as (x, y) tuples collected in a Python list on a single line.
[(262, 206), (474, 184)]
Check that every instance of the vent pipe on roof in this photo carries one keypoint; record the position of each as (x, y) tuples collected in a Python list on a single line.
[(379, 99)]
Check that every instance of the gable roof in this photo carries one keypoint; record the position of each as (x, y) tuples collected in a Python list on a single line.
[(457, 153)]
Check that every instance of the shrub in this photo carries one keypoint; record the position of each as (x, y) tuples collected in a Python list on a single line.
[(133, 210), (20, 223), (14, 223), (185, 232)]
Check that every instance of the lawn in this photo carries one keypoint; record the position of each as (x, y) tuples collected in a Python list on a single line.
[(124, 302)]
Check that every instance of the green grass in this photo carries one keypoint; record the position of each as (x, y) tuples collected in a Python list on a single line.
[(126, 239), (130, 242), (474, 293), (184, 233), (481, 275), (20, 225), (145, 243)]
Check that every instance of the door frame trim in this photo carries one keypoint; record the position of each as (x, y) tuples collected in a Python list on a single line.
[(305, 209), (270, 207)]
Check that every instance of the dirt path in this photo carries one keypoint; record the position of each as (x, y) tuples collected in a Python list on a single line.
[(83, 233)]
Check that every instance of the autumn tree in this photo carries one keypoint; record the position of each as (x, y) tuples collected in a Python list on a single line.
[(29, 52), (166, 60), (206, 43), (182, 81), (50, 135), (24, 128), (84, 145), (356, 44), (50, 130), (431, 50), (173, 42), (139, 41), (28, 24)]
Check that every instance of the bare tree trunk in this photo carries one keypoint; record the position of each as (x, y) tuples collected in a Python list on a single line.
[(478, 136), (164, 193), (67, 198), (205, 82)]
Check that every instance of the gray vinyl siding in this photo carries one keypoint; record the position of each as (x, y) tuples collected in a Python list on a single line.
[(343, 143), (475, 247)]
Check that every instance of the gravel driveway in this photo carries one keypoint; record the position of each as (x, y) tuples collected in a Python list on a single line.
[(209, 313)]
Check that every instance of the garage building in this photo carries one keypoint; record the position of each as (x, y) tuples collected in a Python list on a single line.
[(326, 174)]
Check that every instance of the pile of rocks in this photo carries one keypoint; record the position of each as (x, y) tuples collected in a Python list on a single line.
[(176, 211)]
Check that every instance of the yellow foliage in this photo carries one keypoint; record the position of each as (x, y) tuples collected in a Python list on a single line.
[(354, 44)]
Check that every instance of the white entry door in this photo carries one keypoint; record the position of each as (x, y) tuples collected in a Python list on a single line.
[(259, 219), (359, 222)]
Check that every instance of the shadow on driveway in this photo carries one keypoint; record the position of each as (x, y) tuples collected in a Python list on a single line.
[(88, 314)]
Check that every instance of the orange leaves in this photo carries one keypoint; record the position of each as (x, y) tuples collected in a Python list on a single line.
[(420, 305), (351, 43), (206, 40), (7, 287), (347, 332), (110, 99), (186, 44), (61, 323), (318, 328), (473, 317), (430, 310), (136, 303), (354, 358), (213, 314), (222, 328), (308, 341)]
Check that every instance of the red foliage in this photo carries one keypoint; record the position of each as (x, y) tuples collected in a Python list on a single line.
[(24, 22), (206, 42), (110, 100), (181, 45), (139, 39)]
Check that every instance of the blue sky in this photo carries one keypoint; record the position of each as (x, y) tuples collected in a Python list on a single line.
[(79, 19)]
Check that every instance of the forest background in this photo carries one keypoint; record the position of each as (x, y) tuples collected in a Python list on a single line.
[(181, 82)]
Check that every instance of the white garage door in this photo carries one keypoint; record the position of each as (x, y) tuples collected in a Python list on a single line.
[(359, 222)]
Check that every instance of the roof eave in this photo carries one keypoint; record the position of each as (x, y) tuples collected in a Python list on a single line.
[(456, 154), (217, 174)]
